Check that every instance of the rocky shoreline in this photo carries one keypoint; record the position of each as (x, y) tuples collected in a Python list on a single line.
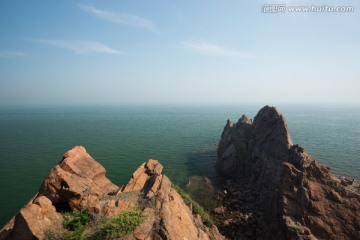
[(269, 188)]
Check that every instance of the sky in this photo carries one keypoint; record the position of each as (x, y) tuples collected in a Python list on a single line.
[(117, 52)]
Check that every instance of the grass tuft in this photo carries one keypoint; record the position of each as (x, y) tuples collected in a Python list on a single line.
[(196, 208), (74, 225), (119, 225)]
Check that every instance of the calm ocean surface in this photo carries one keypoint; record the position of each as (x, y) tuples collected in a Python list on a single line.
[(183, 138)]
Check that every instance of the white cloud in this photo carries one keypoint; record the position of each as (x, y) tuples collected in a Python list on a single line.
[(11, 54), (119, 18), (213, 49), (80, 47)]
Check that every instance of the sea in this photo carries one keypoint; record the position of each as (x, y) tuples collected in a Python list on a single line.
[(183, 138)]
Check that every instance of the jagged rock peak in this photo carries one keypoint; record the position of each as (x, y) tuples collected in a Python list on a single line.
[(269, 120), (244, 120), (267, 133), (269, 111), (295, 196), (229, 123), (78, 182)]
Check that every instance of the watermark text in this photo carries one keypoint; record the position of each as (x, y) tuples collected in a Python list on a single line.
[(283, 8)]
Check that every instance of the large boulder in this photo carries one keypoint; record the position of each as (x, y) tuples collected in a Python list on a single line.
[(77, 179), (33, 221)]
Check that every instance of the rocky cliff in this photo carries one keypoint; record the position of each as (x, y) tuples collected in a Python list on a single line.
[(78, 184), (273, 189), (276, 190)]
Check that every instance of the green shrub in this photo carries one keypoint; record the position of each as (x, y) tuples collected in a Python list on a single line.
[(75, 220), (119, 225), (77, 234), (74, 224), (196, 208)]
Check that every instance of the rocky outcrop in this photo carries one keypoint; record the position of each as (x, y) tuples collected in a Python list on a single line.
[(37, 217), (78, 182), (286, 192), (167, 214)]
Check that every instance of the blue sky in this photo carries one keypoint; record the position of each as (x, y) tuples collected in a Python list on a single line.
[(181, 52)]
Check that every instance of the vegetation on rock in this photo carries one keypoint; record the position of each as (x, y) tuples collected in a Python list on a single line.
[(196, 207), (76, 219), (119, 225), (145, 208), (75, 223)]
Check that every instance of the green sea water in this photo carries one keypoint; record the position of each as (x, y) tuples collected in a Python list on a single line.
[(182, 138)]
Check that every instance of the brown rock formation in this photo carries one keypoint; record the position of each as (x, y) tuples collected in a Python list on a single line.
[(38, 216), (76, 180), (289, 195), (79, 182)]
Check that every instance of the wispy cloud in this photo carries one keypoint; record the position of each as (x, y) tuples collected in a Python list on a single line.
[(11, 54), (80, 47), (119, 18), (213, 49)]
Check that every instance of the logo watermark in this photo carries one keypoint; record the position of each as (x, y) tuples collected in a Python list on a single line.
[(283, 8)]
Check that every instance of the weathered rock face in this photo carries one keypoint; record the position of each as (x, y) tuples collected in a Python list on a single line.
[(76, 180), (167, 216), (248, 147), (294, 196), (79, 182), (37, 217), (314, 202)]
